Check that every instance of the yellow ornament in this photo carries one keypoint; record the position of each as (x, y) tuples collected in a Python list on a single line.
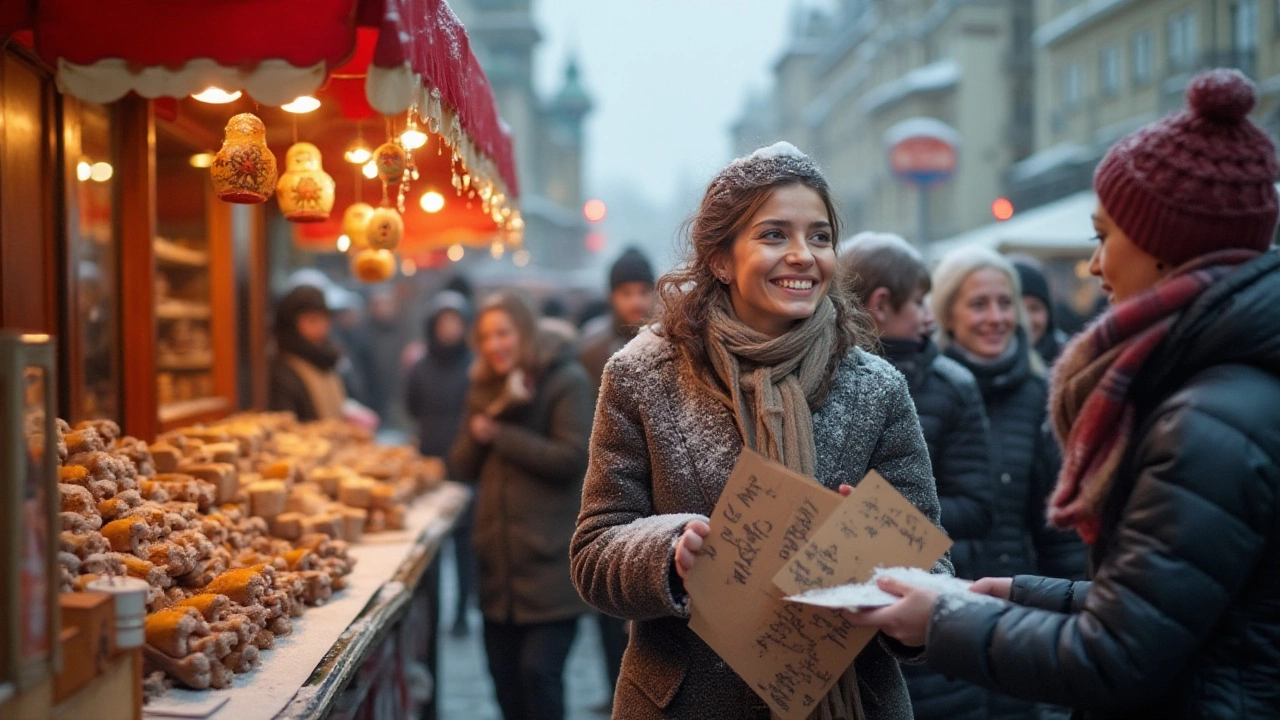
[(373, 266), (390, 158), (355, 224), (244, 170), (305, 190), (385, 229)]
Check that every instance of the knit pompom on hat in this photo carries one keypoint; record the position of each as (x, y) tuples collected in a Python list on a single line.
[(1199, 180)]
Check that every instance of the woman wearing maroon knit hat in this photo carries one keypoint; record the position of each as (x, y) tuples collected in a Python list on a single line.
[(1166, 409)]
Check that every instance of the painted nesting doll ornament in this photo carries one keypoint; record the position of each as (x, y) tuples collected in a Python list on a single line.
[(305, 190), (244, 170)]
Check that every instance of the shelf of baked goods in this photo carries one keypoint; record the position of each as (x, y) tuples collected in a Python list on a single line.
[(175, 309), (176, 254), (244, 531)]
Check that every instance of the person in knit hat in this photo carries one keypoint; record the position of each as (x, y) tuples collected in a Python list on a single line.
[(1166, 408), (631, 301), (1037, 303)]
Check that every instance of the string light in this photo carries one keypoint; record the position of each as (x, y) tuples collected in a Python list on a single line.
[(202, 160), (217, 96), (344, 243), (300, 105), (432, 201), (455, 252), (370, 170)]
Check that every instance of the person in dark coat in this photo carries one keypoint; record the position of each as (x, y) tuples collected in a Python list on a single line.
[(631, 303), (976, 300), (759, 347), (1038, 307), (303, 376), (435, 397), (1166, 407), (524, 445), (890, 279)]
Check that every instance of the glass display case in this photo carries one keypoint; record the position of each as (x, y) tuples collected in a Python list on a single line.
[(93, 255), (187, 236)]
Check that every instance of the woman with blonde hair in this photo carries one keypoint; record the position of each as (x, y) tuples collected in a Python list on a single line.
[(757, 346), (1166, 408)]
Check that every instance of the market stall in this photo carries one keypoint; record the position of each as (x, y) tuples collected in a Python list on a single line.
[(148, 148)]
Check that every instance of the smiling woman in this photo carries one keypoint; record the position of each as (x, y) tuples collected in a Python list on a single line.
[(757, 348)]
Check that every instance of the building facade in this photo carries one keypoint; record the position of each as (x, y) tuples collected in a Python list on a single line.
[(844, 81), (1106, 67), (548, 132)]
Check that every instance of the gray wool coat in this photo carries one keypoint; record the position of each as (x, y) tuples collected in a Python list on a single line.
[(662, 449)]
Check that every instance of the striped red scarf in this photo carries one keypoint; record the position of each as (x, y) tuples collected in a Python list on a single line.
[(1092, 413)]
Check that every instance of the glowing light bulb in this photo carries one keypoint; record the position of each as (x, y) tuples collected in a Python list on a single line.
[(301, 104), (344, 243), (408, 267), (84, 171), (455, 252), (370, 170), (520, 258), (217, 96), (101, 171), (432, 201), (358, 153), (202, 160), (496, 250), (413, 138)]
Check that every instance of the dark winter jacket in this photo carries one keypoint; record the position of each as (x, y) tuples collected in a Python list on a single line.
[(661, 453), (529, 490), (436, 388), (286, 389), (601, 338), (1025, 464), (955, 429), (1182, 619)]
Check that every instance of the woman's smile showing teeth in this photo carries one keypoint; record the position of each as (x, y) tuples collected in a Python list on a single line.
[(794, 284)]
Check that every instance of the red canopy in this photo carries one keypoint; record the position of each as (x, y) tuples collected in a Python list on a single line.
[(276, 50)]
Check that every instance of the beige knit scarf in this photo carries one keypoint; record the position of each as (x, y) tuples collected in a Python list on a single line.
[(774, 385)]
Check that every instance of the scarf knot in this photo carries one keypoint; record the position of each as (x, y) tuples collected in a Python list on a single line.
[(1091, 409)]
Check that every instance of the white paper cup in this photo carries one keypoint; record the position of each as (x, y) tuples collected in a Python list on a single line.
[(131, 607)]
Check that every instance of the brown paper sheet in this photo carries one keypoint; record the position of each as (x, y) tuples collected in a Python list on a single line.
[(776, 533), (874, 527), (790, 654)]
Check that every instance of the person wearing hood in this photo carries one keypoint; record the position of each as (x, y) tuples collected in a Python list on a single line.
[(524, 445), (890, 279), (304, 378), (1037, 304), (1166, 409), (435, 397)]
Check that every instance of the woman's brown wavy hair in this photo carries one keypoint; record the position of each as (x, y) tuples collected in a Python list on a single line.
[(688, 292)]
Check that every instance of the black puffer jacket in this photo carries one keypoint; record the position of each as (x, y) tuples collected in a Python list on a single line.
[(956, 431), (1025, 466), (1026, 462), (1182, 619), (436, 389)]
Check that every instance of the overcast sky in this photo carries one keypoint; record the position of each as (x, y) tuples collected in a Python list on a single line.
[(667, 76)]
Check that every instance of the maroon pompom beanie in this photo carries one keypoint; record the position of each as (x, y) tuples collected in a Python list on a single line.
[(1198, 180)]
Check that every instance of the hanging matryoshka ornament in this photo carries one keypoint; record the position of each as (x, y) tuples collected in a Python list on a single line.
[(244, 170), (385, 229), (305, 190), (372, 266), (390, 158), (355, 224)]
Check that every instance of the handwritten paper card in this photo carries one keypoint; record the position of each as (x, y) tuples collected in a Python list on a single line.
[(873, 527), (790, 654)]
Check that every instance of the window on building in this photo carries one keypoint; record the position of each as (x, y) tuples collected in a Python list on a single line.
[(1244, 34), (1182, 40), (1109, 70), (1072, 90), (1144, 56)]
